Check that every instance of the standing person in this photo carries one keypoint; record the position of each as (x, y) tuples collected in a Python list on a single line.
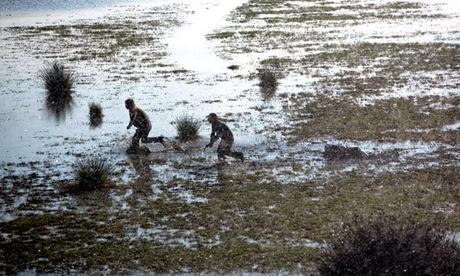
[(139, 119), (221, 131)]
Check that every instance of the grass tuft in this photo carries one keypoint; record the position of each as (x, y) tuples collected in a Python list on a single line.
[(187, 128), (93, 173), (59, 84), (390, 246), (95, 115)]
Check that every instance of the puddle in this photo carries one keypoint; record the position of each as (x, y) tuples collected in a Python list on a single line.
[(188, 45), (452, 127), (454, 237)]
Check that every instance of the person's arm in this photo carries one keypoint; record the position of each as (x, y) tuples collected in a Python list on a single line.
[(213, 139), (132, 117)]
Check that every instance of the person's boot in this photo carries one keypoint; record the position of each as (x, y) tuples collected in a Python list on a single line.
[(133, 148), (238, 155), (159, 139)]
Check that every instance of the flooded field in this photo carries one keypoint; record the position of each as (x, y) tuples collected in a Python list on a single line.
[(382, 76)]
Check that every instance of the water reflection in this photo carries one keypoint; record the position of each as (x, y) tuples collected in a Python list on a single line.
[(59, 107), (222, 176), (141, 186), (95, 115), (268, 83), (141, 164)]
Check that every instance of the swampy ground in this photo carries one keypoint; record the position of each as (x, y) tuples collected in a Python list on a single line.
[(379, 75)]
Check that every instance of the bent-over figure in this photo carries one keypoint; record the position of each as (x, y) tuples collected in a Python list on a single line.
[(139, 119), (221, 131)]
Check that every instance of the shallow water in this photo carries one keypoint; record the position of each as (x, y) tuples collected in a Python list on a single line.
[(52, 5), (190, 78)]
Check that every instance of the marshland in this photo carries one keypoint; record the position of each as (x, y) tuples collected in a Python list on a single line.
[(375, 81)]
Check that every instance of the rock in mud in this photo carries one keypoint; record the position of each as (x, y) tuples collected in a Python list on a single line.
[(233, 67), (335, 152)]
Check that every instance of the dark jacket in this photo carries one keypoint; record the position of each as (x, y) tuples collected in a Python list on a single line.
[(139, 118), (221, 130)]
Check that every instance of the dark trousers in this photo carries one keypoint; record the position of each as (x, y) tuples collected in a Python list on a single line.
[(142, 134), (225, 149)]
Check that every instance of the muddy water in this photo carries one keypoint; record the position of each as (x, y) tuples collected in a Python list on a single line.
[(35, 142), (35, 135), (197, 83)]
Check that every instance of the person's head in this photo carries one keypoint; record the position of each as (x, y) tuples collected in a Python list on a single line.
[(129, 104), (212, 118)]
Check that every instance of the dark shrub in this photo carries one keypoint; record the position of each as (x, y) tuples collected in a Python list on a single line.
[(187, 128), (93, 173), (95, 115), (390, 246), (268, 83), (59, 84)]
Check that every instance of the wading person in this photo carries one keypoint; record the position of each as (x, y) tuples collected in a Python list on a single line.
[(139, 119), (221, 131)]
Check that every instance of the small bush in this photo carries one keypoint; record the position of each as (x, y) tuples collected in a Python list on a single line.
[(268, 83), (92, 173), (95, 115), (187, 128), (59, 84), (390, 246)]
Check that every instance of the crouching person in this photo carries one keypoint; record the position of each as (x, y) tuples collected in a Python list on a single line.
[(139, 119), (221, 131)]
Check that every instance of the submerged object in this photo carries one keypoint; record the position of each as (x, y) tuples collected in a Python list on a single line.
[(336, 152)]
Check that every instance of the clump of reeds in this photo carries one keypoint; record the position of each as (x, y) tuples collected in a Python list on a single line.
[(268, 83), (187, 128), (59, 83), (92, 173), (95, 115), (390, 246)]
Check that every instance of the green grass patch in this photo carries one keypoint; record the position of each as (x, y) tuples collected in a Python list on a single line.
[(388, 120), (250, 223)]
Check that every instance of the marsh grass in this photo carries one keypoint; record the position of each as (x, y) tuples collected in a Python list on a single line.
[(327, 11), (95, 115), (390, 246), (59, 81), (59, 84), (250, 222), (345, 119), (187, 128), (92, 173)]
